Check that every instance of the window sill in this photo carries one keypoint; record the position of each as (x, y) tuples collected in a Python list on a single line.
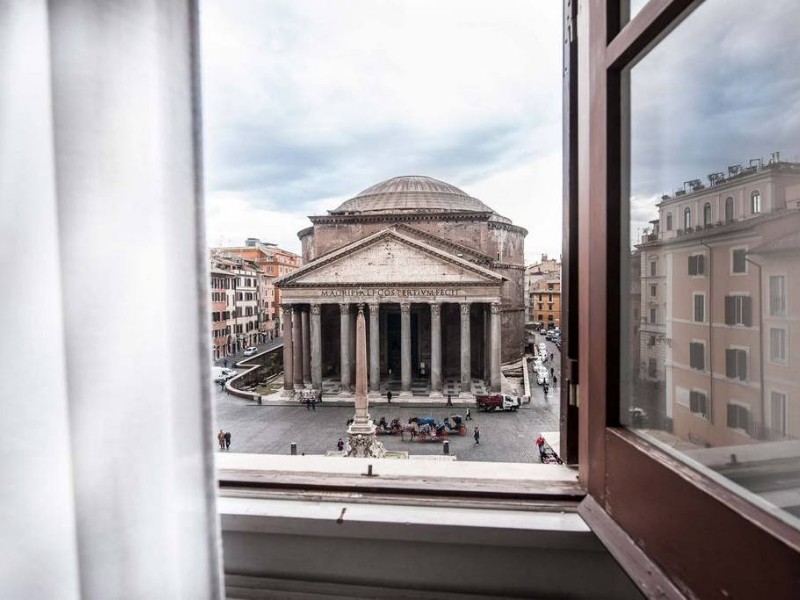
[(405, 477)]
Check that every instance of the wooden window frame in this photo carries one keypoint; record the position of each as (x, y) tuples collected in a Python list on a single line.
[(673, 530)]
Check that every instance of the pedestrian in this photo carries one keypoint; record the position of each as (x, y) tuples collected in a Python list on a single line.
[(555, 380), (551, 356), (320, 396), (314, 404), (227, 440), (389, 396), (552, 372), (308, 404), (477, 435), (546, 389), (340, 445), (221, 439), (222, 385), (449, 400), (469, 416), (225, 363), (540, 445)]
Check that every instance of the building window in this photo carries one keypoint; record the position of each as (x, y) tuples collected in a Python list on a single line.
[(669, 221), (697, 264), (777, 421), (728, 209), (697, 356), (687, 218), (777, 295), (652, 268), (653, 289), (777, 344), (736, 363), (738, 417), (755, 202), (699, 308), (651, 341), (652, 367), (738, 260), (707, 214), (698, 403), (652, 315), (738, 310)]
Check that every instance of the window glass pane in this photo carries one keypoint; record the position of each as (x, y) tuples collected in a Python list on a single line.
[(630, 8), (714, 139)]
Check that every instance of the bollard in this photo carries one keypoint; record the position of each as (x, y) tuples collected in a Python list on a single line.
[(294, 449), (446, 447)]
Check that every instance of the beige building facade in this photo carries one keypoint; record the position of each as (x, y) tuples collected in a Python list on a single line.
[(720, 312), (440, 275)]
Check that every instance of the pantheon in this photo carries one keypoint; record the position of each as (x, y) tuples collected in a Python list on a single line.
[(439, 275)]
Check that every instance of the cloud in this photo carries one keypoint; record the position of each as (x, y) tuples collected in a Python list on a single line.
[(309, 100)]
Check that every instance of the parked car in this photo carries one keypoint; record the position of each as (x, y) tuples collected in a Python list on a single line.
[(250, 351), (219, 374)]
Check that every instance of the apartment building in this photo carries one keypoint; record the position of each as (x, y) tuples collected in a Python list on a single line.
[(272, 262), (719, 333), (543, 292)]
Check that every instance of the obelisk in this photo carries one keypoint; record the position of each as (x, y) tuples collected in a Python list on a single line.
[(361, 440)]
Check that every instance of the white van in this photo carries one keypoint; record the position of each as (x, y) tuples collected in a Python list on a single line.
[(221, 374)]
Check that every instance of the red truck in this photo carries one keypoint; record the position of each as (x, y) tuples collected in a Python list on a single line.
[(493, 402)]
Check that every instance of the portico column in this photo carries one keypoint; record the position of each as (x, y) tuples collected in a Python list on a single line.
[(316, 347), (374, 349), (344, 345), (288, 377), (305, 334), (405, 349), (496, 346), (297, 341), (466, 376), (436, 349)]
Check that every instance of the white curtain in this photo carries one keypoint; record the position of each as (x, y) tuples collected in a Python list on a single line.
[(108, 486)]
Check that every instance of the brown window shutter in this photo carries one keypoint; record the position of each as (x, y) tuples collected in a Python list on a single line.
[(730, 363), (747, 310), (730, 310), (741, 364)]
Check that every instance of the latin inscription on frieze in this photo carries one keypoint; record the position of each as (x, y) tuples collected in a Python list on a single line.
[(381, 292)]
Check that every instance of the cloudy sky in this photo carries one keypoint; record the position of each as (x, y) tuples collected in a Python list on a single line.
[(721, 89), (308, 102)]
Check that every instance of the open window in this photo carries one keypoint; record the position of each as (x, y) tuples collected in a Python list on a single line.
[(670, 484)]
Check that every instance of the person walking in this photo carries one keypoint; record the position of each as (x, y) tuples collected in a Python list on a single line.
[(552, 372), (340, 445), (221, 439), (314, 404), (225, 363), (546, 389), (389, 396), (540, 445), (449, 400), (227, 440), (477, 435), (308, 404), (555, 380), (469, 416)]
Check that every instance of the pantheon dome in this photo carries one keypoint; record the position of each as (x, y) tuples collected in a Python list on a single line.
[(440, 275)]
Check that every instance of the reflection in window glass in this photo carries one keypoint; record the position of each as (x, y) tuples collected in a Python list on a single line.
[(714, 132)]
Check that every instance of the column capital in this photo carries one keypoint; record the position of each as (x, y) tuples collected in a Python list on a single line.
[(286, 309), (316, 309), (436, 308), (361, 307), (465, 307), (373, 308), (495, 307), (344, 307), (405, 307)]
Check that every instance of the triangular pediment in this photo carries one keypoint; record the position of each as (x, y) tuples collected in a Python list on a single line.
[(392, 258)]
